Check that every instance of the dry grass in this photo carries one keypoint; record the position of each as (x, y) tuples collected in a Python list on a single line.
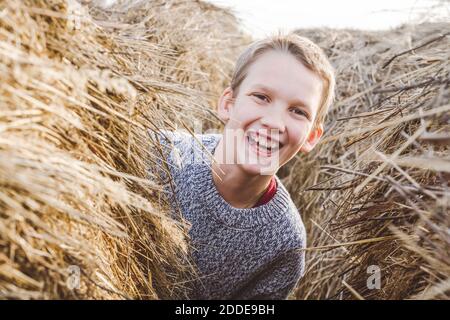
[(82, 86), (379, 189), (79, 93)]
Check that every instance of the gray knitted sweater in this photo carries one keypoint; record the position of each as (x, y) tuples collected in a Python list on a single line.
[(239, 253)]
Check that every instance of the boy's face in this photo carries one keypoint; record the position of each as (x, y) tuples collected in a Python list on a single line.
[(271, 119)]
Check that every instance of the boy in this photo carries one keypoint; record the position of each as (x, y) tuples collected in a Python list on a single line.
[(247, 235)]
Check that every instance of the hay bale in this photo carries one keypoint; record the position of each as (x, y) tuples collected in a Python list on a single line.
[(82, 85), (79, 92), (375, 192)]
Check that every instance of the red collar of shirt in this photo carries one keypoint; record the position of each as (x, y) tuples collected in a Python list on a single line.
[(268, 195)]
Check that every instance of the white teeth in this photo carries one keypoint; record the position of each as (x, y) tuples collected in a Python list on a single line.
[(272, 145), (264, 143)]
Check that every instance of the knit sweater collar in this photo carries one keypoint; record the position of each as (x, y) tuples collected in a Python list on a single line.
[(272, 211)]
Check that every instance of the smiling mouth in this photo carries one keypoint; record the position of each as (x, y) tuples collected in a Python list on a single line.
[(263, 146)]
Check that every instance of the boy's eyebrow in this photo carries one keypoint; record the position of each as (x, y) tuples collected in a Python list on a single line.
[(270, 90)]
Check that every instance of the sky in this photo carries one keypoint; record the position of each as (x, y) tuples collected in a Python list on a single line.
[(262, 17)]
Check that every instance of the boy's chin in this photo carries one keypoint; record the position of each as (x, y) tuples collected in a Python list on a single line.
[(259, 169)]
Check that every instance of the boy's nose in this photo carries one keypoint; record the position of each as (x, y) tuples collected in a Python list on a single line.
[(273, 120)]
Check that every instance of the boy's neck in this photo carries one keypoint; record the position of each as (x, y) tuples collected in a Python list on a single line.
[(236, 187)]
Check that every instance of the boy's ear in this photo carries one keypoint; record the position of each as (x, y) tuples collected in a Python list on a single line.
[(225, 104), (313, 139)]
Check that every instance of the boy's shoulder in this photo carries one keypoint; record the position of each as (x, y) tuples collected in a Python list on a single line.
[(182, 138), (180, 148), (169, 137)]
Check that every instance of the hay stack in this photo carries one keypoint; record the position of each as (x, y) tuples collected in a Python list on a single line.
[(78, 93), (376, 190), (81, 86)]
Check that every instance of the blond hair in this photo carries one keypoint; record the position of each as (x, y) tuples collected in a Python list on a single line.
[(304, 50)]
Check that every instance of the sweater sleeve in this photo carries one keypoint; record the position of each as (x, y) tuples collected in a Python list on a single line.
[(277, 280)]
